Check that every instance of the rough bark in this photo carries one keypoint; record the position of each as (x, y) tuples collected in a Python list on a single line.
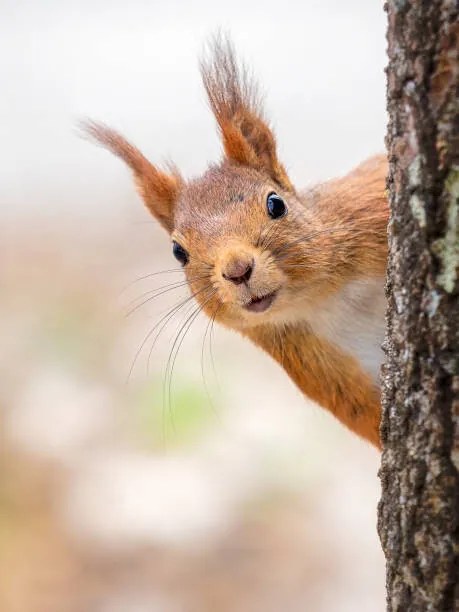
[(418, 518)]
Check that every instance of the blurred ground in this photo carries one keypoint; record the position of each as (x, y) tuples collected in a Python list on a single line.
[(256, 501), (236, 494)]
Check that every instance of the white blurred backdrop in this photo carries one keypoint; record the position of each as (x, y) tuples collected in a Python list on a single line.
[(112, 498)]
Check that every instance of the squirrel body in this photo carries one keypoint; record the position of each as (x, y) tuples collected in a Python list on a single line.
[(301, 274)]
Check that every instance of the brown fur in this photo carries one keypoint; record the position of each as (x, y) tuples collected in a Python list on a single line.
[(332, 235)]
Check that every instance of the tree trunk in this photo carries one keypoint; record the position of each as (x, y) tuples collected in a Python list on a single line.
[(418, 519)]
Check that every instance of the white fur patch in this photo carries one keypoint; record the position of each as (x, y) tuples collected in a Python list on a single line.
[(353, 319)]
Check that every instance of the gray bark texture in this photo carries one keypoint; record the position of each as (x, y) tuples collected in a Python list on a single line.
[(418, 515)]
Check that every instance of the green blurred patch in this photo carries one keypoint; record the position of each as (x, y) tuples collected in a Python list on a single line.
[(179, 420), (75, 333)]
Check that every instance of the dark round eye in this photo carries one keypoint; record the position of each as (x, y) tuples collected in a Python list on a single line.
[(276, 206), (179, 253)]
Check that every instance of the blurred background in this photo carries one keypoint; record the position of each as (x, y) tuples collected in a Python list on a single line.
[(231, 492)]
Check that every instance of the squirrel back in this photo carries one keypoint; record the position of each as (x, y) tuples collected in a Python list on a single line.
[(299, 273)]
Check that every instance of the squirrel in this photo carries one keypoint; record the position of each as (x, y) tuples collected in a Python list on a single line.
[(299, 273)]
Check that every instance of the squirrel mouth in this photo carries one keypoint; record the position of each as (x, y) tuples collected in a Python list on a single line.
[(260, 304)]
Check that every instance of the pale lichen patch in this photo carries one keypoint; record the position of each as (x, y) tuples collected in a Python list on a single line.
[(432, 303), (417, 205), (447, 248), (418, 210), (414, 172)]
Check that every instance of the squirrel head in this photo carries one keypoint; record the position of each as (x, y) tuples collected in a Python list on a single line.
[(238, 230)]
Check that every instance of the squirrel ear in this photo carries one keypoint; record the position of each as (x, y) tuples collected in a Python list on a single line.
[(236, 103), (158, 190)]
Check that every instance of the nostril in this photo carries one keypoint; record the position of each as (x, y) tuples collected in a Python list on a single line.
[(239, 272)]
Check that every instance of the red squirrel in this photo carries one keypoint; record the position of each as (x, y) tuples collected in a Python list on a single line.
[(300, 273)]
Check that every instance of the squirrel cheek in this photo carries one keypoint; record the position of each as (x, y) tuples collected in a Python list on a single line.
[(269, 276)]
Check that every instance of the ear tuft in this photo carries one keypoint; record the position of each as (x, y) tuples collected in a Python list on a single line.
[(236, 102), (158, 189)]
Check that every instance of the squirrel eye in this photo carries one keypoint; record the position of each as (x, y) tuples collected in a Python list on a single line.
[(179, 253), (276, 206)]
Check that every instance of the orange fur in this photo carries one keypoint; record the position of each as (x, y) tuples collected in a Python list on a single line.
[(236, 105), (158, 190), (334, 236), (326, 375)]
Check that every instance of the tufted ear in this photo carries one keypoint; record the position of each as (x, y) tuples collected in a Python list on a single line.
[(158, 189), (236, 103)]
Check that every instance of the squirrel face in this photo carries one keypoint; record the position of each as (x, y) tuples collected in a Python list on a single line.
[(230, 232)]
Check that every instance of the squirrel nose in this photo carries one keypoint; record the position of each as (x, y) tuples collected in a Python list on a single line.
[(238, 271)]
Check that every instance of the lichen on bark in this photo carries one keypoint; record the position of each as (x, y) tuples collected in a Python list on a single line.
[(418, 518)]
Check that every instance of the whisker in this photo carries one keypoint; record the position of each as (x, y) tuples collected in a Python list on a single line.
[(303, 266), (167, 382), (211, 349), (169, 314), (260, 238), (206, 387), (170, 287), (164, 288), (141, 278), (299, 260), (178, 339), (186, 301), (167, 385), (269, 237), (174, 285), (273, 232), (135, 308), (278, 252)]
